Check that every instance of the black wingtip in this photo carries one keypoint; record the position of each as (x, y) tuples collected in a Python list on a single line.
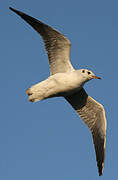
[(12, 9), (100, 169), (16, 11), (100, 174)]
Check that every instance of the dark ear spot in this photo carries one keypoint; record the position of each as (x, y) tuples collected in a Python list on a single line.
[(83, 71), (89, 72)]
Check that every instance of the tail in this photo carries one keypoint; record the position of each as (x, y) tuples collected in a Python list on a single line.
[(43, 90), (37, 92)]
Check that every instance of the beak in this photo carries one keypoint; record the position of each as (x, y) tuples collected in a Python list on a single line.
[(96, 77)]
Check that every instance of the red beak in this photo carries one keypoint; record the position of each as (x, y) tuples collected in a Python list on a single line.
[(96, 77)]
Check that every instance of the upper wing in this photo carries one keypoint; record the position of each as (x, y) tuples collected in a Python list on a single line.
[(93, 115), (57, 46)]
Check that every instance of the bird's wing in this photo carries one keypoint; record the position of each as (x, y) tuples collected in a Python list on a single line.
[(93, 115), (57, 46)]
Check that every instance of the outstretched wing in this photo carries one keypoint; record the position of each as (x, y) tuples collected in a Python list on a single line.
[(57, 46), (93, 115)]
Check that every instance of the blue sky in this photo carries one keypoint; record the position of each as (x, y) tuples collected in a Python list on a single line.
[(48, 140)]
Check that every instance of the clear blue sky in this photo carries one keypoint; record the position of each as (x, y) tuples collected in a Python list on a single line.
[(48, 140)]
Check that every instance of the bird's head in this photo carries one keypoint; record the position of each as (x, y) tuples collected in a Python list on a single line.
[(88, 75)]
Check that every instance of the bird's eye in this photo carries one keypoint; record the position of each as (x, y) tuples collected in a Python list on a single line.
[(83, 71), (89, 72)]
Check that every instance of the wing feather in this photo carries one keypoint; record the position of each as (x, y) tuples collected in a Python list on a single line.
[(56, 44), (93, 115)]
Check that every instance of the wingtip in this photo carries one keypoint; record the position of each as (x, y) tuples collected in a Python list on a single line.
[(16, 11), (100, 173), (12, 9), (100, 169)]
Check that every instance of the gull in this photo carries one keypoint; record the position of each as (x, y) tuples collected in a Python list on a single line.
[(67, 82)]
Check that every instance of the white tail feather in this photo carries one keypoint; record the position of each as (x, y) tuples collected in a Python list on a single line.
[(41, 90)]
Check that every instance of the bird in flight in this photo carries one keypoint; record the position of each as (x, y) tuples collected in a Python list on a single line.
[(67, 82)]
